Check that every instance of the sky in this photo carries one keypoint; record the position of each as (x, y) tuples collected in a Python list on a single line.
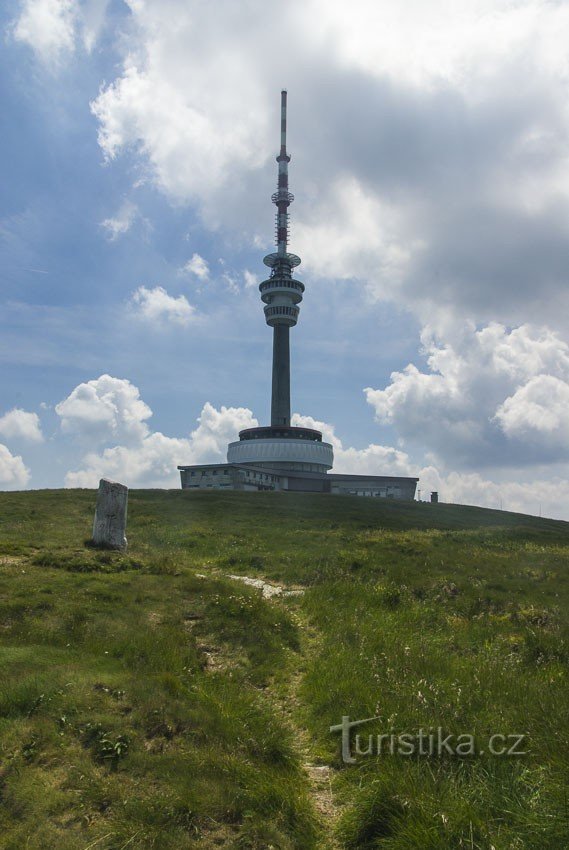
[(430, 165)]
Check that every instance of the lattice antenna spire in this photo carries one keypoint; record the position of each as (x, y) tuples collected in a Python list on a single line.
[(282, 197)]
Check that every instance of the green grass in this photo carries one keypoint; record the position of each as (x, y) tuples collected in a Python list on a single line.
[(147, 701)]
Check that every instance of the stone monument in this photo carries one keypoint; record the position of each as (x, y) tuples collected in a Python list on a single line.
[(109, 525)]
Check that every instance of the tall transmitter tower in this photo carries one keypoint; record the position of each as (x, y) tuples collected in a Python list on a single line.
[(281, 446), (280, 292), (279, 456)]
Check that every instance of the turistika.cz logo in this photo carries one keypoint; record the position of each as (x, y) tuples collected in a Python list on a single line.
[(426, 743)]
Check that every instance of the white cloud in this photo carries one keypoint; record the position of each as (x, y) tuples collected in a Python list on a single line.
[(217, 428), (230, 281), (523, 495), (163, 105), (538, 412), (93, 21), (482, 388), (105, 409), (546, 496), (152, 461), (355, 235), (52, 27), (48, 27), (155, 305), (122, 222), (425, 170), (21, 425), (373, 460), (198, 267), (13, 473), (444, 41), (250, 279)]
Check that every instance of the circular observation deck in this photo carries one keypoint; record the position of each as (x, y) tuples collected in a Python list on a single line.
[(272, 260), (282, 448), (281, 314), (281, 432), (291, 289)]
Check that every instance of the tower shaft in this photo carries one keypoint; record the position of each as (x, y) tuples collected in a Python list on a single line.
[(280, 397)]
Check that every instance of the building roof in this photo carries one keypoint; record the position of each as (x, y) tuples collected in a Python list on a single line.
[(345, 477), (299, 473)]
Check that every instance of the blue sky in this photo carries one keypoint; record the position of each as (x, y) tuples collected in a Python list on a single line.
[(432, 198)]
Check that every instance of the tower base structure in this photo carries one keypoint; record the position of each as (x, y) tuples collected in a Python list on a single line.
[(286, 448), (289, 459)]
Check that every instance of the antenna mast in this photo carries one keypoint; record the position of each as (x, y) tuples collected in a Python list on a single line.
[(281, 293)]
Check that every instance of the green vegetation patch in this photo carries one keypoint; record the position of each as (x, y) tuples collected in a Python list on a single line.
[(148, 701)]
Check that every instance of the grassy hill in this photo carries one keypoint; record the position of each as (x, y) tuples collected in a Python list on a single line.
[(148, 700)]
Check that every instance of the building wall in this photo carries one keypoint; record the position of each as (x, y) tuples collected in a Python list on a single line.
[(220, 476), (308, 485), (375, 486)]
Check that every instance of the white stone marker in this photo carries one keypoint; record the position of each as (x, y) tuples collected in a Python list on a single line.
[(110, 515)]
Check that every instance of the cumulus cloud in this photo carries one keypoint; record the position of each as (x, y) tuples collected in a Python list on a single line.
[(428, 173), (19, 424), (52, 27), (217, 428), (538, 412), (197, 266), (373, 460), (152, 460), (443, 40), (358, 234), (155, 305), (150, 463), (482, 388), (121, 223), (548, 496), (48, 27), (104, 409), (13, 473)]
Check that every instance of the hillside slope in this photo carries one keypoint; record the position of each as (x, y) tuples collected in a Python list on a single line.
[(150, 701)]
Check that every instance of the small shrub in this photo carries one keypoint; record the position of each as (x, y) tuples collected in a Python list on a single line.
[(105, 746), (29, 749)]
